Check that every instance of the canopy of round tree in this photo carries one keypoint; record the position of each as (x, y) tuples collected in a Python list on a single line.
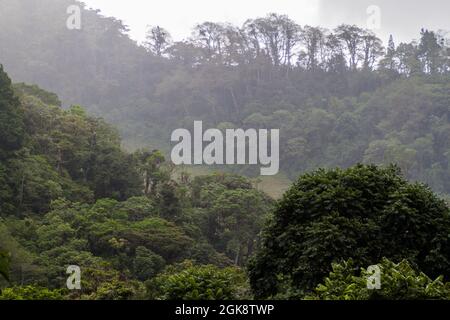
[(364, 213)]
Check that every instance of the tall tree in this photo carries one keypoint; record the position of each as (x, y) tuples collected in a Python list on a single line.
[(11, 117), (351, 35), (388, 62), (372, 49), (12, 135), (364, 213), (278, 35), (313, 38), (210, 36), (157, 40), (429, 52)]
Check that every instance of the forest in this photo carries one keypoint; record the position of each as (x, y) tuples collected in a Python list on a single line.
[(86, 178)]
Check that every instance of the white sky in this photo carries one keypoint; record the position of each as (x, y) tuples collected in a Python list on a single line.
[(402, 18), (179, 16)]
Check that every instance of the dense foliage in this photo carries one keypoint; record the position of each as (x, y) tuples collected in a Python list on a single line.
[(190, 282), (140, 228), (339, 97), (30, 293), (398, 282), (364, 213), (4, 265), (74, 197)]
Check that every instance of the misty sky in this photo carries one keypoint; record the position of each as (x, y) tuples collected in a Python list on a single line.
[(403, 18)]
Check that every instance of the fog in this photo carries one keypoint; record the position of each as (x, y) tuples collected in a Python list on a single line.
[(274, 158), (178, 16), (402, 18)]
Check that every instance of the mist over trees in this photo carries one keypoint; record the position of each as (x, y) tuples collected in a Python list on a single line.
[(71, 195), (141, 228), (401, 17), (338, 96)]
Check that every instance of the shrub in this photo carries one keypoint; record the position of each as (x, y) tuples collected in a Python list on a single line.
[(398, 282), (364, 213)]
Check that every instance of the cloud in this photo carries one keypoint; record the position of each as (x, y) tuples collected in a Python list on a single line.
[(179, 16), (403, 18)]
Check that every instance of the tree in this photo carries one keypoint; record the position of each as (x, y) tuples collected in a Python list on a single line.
[(211, 37), (313, 38), (11, 118), (389, 62), (158, 40), (409, 63), (151, 166), (334, 55), (429, 52), (229, 213), (351, 35), (73, 147), (235, 218), (112, 172), (169, 201), (12, 135), (37, 184), (398, 281), (108, 284), (4, 265), (277, 34), (372, 49), (147, 264), (191, 282), (364, 213)]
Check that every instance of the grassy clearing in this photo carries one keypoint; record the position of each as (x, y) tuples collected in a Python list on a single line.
[(274, 186)]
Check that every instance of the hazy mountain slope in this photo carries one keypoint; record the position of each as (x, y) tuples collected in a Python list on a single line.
[(333, 106)]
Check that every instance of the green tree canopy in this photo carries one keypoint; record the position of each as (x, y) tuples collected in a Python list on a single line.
[(11, 117), (364, 213), (31, 293), (398, 281), (207, 282)]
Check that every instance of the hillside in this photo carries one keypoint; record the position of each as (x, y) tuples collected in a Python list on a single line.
[(332, 103), (93, 208), (70, 195)]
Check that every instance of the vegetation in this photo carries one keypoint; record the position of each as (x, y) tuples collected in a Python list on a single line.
[(73, 197), (339, 97), (4, 265), (190, 282), (140, 229), (30, 293), (364, 213), (398, 282)]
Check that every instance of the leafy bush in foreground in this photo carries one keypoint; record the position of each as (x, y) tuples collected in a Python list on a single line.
[(205, 282), (398, 282), (364, 213), (30, 293)]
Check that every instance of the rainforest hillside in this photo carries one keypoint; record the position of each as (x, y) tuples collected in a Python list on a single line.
[(92, 207), (70, 196), (138, 229), (338, 96)]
